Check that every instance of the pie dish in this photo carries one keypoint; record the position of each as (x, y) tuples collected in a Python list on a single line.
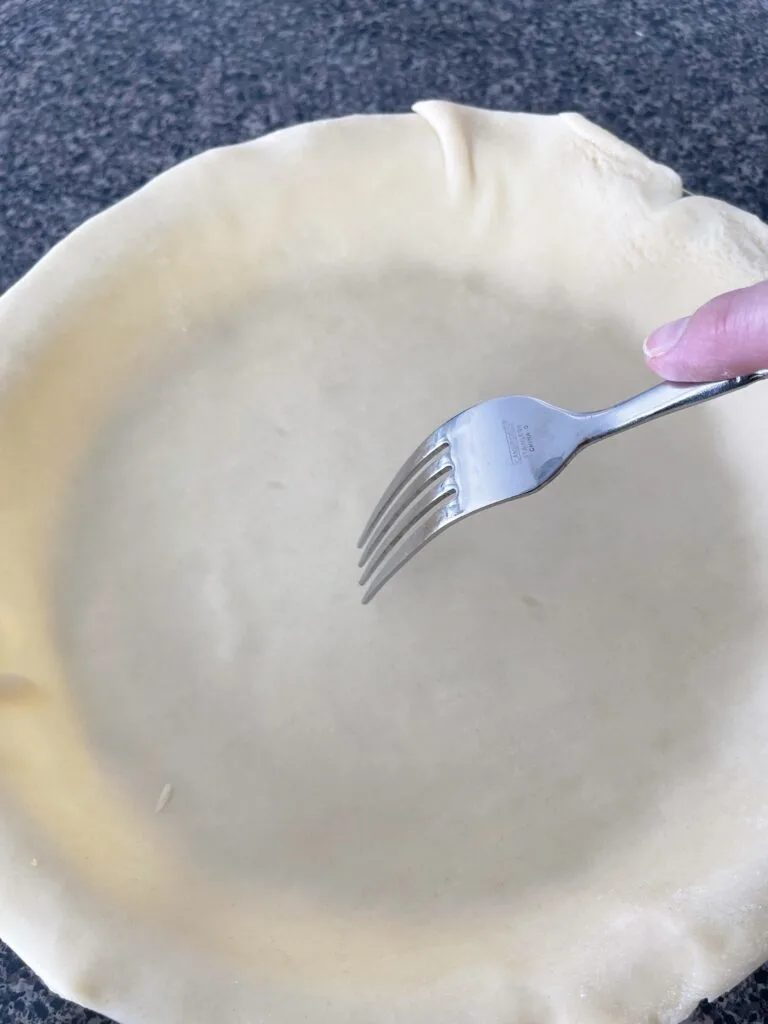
[(527, 782)]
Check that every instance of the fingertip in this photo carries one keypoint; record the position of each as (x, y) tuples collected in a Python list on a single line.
[(663, 340), (725, 337)]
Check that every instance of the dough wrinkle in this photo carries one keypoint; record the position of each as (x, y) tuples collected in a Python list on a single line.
[(658, 185), (446, 122)]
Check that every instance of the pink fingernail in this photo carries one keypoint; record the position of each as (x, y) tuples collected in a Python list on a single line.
[(665, 338)]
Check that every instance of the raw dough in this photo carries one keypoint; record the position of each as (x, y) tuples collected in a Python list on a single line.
[(527, 782)]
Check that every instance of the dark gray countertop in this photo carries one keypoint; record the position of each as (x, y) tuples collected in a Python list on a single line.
[(96, 98)]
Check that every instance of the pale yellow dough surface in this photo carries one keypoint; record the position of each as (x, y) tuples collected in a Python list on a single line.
[(528, 782)]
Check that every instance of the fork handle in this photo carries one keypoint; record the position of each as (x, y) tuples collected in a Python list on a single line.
[(660, 401)]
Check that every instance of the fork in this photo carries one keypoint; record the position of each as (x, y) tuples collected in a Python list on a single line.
[(495, 451)]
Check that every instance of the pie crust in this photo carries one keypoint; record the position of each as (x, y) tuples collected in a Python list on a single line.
[(527, 783)]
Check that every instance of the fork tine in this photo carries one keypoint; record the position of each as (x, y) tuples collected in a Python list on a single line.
[(434, 445), (428, 527), (424, 503), (410, 490)]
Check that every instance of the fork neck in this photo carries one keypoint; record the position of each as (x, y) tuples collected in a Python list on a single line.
[(659, 401)]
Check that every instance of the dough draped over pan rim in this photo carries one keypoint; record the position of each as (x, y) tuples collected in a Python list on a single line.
[(339, 271)]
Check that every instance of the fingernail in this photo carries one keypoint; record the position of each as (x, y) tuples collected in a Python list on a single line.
[(665, 338)]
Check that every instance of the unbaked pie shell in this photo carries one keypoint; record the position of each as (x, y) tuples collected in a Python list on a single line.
[(527, 783)]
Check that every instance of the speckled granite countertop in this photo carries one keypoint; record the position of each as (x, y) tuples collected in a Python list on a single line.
[(96, 98)]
